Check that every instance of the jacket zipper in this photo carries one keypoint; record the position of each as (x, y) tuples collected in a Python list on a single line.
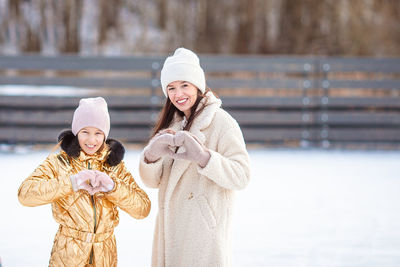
[(95, 222)]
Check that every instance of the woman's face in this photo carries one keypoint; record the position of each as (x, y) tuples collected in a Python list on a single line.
[(183, 95), (90, 139)]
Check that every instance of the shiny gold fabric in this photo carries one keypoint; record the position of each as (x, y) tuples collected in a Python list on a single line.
[(85, 236)]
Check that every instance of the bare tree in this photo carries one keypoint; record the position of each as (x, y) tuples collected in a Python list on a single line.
[(245, 34), (162, 6), (71, 16), (108, 19)]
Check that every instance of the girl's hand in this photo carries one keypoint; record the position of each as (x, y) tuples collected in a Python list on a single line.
[(85, 180), (106, 184)]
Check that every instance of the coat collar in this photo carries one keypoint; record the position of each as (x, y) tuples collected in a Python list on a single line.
[(100, 155), (202, 121)]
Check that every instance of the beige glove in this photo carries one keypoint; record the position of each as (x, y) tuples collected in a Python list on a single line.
[(160, 145), (105, 183), (194, 150), (85, 180)]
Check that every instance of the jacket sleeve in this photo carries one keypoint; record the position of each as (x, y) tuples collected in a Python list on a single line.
[(44, 185), (127, 195), (151, 173), (229, 164)]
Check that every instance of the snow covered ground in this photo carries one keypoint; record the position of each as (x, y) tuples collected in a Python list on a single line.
[(301, 208)]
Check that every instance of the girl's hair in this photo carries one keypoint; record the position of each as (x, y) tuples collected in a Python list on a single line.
[(168, 111)]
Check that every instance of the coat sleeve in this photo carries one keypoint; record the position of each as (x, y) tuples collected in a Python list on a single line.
[(229, 164), (151, 173), (44, 185), (127, 195)]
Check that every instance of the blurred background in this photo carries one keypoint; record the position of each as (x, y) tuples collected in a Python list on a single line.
[(123, 27), (293, 73), (314, 85)]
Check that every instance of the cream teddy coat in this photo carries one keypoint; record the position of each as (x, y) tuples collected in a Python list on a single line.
[(195, 204)]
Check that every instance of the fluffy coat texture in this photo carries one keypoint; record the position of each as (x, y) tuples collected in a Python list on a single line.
[(195, 204), (86, 222)]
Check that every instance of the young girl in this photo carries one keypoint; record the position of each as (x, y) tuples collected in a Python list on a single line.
[(197, 158), (85, 183)]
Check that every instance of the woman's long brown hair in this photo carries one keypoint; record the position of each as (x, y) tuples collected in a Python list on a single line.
[(168, 111)]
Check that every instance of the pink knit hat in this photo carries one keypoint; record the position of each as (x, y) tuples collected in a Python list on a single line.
[(91, 112)]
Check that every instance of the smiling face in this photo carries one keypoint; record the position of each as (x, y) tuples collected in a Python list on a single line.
[(183, 95), (90, 139)]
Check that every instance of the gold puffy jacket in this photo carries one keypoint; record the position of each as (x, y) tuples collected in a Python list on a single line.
[(85, 236)]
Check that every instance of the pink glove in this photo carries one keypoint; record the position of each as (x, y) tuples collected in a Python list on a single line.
[(194, 150), (106, 184), (85, 180), (160, 145)]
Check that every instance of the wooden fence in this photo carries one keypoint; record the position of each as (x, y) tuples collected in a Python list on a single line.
[(278, 101)]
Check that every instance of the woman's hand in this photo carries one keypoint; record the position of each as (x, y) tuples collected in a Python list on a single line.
[(160, 145), (170, 131), (194, 150)]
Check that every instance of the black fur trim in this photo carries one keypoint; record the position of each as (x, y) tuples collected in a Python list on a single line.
[(69, 143), (117, 152)]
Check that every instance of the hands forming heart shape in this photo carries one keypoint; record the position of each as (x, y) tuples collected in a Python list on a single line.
[(166, 142), (92, 181)]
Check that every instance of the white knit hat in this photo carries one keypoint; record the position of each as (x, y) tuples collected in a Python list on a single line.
[(91, 112), (184, 65)]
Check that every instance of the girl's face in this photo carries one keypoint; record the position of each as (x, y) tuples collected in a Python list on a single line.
[(183, 95), (90, 139)]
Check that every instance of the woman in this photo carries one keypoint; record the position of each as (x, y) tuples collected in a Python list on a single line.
[(196, 158)]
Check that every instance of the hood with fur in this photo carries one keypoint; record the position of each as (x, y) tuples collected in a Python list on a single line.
[(70, 144)]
